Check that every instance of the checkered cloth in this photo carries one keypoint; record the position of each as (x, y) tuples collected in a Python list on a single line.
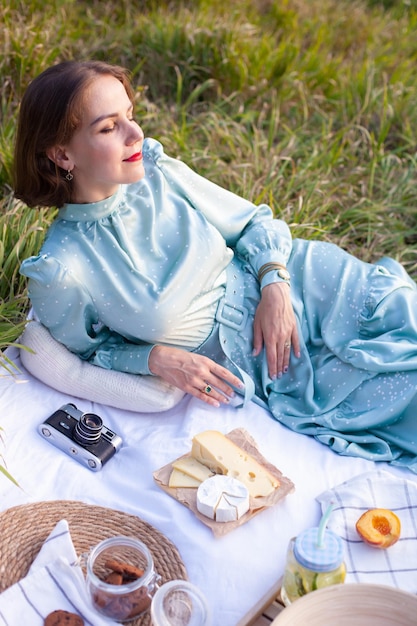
[(395, 566)]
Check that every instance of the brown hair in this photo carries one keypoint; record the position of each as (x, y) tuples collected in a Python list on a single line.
[(50, 113)]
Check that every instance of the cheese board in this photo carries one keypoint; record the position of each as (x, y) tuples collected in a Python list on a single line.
[(279, 485)]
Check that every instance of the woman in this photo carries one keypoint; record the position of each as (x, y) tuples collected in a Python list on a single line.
[(151, 269)]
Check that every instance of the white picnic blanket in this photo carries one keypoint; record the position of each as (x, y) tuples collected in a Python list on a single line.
[(233, 571)]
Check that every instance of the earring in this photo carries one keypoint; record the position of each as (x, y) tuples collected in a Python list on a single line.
[(69, 176)]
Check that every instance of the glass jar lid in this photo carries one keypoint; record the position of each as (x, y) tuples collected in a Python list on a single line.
[(309, 554), (179, 602)]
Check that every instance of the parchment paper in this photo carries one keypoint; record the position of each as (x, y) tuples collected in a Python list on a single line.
[(188, 495)]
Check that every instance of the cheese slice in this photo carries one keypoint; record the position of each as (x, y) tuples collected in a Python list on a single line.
[(190, 466), (222, 456), (222, 498), (179, 479)]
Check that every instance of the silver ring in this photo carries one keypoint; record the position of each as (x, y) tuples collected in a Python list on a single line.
[(207, 389), (287, 344)]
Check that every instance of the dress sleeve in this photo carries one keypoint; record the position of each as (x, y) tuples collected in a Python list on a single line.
[(64, 306), (249, 229)]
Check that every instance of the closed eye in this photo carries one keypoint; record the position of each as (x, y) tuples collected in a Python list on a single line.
[(107, 130)]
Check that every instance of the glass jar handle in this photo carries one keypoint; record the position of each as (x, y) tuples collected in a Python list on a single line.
[(154, 584)]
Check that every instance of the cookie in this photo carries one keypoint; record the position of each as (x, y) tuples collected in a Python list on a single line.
[(63, 618), (114, 578), (128, 571)]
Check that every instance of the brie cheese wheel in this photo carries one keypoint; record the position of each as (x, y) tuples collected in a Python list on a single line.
[(222, 498)]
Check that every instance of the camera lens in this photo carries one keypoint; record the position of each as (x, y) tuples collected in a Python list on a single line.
[(88, 429)]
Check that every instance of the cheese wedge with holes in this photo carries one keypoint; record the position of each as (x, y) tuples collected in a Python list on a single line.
[(179, 479), (222, 498), (222, 456), (190, 466)]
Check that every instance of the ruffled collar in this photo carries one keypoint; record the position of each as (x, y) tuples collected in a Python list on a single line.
[(94, 210)]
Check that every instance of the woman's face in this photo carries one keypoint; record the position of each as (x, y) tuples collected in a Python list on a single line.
[(106, 150)]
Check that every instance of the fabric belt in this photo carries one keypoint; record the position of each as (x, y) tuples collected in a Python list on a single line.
[(232, 316)]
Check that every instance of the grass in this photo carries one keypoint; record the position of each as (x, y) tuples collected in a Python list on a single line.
[(308, 105)]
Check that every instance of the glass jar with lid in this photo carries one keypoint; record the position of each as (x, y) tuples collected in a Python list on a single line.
[(130, 561), (314, 560)]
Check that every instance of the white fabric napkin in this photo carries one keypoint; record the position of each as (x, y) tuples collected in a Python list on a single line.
[(55, 581), (395, 566)]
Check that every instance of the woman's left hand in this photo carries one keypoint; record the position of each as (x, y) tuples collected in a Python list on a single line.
[(275, 328)]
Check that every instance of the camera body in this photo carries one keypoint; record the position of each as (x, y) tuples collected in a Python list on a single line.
[(81, 435)]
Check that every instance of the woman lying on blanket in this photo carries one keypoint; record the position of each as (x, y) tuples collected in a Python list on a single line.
[(151, 269)]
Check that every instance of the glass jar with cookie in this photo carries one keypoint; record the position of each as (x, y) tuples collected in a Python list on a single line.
[(121, 578)]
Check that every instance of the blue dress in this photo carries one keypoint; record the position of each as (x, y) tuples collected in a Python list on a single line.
[(174, 259)]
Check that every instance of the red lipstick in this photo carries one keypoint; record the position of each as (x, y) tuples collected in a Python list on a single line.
[(135, 157)]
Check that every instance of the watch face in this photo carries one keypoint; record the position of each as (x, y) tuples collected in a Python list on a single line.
[(284, 274)]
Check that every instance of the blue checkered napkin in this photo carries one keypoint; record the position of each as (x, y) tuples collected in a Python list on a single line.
[(395, 566)]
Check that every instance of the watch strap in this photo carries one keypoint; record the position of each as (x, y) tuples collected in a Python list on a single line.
[(270, 267)]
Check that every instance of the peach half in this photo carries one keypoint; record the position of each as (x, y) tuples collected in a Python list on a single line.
[(379, 528)]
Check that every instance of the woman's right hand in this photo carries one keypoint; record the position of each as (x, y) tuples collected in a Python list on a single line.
[(195, 374)]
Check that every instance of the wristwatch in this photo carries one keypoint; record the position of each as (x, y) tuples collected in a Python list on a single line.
[(280, 269), (284, 274)]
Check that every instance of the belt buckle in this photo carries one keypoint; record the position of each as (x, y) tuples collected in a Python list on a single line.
[(227, 313)]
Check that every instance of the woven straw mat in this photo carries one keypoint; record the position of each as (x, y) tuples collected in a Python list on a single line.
[(24, 528)]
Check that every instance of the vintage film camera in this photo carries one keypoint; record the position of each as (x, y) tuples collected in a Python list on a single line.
[(81, 435)]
